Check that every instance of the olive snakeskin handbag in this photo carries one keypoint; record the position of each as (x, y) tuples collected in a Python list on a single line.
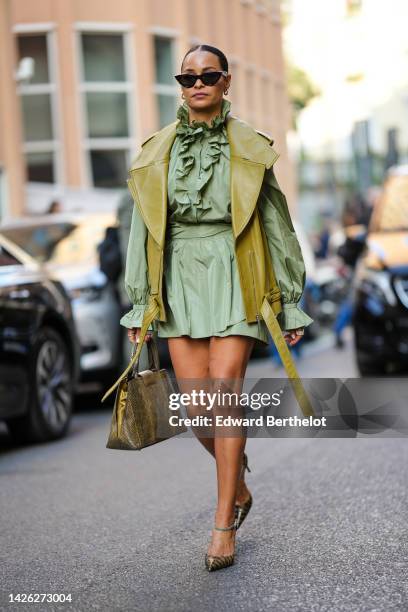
[(141, 411)]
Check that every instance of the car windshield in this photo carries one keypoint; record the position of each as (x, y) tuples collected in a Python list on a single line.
[(62, 243), (392, 212)]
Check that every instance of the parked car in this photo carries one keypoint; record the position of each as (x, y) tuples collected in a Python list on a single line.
[(380, 287), (65, 244), (39, 349)]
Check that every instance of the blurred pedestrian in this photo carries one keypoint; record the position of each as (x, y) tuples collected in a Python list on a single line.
[(322, 250), (350, 252)]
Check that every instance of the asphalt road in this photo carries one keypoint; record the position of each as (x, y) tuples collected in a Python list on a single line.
[(127, 531)]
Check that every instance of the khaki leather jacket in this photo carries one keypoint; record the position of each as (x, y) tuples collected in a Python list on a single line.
[(262, 273), (266, 245)]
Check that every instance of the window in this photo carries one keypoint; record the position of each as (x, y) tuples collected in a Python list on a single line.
[(38, 105), (166, 88), (105, 91), (103, 58)]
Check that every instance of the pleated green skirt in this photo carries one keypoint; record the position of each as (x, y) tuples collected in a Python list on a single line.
[(201, 282)]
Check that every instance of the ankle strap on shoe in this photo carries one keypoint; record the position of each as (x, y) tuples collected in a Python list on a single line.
[(233, 526)]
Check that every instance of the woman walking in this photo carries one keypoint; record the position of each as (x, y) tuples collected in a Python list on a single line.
[(210, 234)]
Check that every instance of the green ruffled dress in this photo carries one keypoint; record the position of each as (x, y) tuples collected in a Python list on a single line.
[(201, 281)]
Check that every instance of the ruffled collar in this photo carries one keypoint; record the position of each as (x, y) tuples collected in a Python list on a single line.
[(197, 127), (188, 195)]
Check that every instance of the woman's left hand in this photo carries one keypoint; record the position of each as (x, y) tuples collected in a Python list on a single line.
[(292, 336)]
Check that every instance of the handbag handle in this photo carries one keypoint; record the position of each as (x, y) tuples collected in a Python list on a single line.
[(153, 353), (152, 312)]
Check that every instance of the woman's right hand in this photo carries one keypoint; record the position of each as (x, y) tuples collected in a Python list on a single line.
[(134, 333)]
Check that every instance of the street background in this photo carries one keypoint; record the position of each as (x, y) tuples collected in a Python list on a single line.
[(81, 86)]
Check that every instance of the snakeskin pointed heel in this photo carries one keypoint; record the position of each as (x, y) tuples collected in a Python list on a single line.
[(213, 563), (241, 512)]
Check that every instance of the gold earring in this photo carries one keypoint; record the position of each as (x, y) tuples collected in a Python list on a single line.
[(182, 95), (226, 91)]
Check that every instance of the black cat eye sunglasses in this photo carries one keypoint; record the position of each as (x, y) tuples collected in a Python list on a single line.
[(207, 78)]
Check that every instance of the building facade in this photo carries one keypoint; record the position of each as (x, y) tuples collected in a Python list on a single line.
[(84, 82)]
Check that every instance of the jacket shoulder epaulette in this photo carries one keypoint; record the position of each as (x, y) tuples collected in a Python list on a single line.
[(148, 138), (267, 136), (264, 134)]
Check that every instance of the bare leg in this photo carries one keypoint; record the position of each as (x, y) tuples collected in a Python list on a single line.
[(214, 360), (227, 365), (190, 360)]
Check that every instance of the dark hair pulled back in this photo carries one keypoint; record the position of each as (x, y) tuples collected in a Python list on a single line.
[(215, 50)]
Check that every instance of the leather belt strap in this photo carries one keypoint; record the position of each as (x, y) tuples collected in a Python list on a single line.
[(151, 312), (272, 324)]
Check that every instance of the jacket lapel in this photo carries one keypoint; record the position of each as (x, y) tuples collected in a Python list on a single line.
[(250, 154), (148, 180)]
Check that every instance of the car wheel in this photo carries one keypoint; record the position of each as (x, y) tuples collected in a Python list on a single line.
[(52, 391)]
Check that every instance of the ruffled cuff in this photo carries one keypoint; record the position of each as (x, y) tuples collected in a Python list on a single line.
[(293, 317), (134, 317)]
